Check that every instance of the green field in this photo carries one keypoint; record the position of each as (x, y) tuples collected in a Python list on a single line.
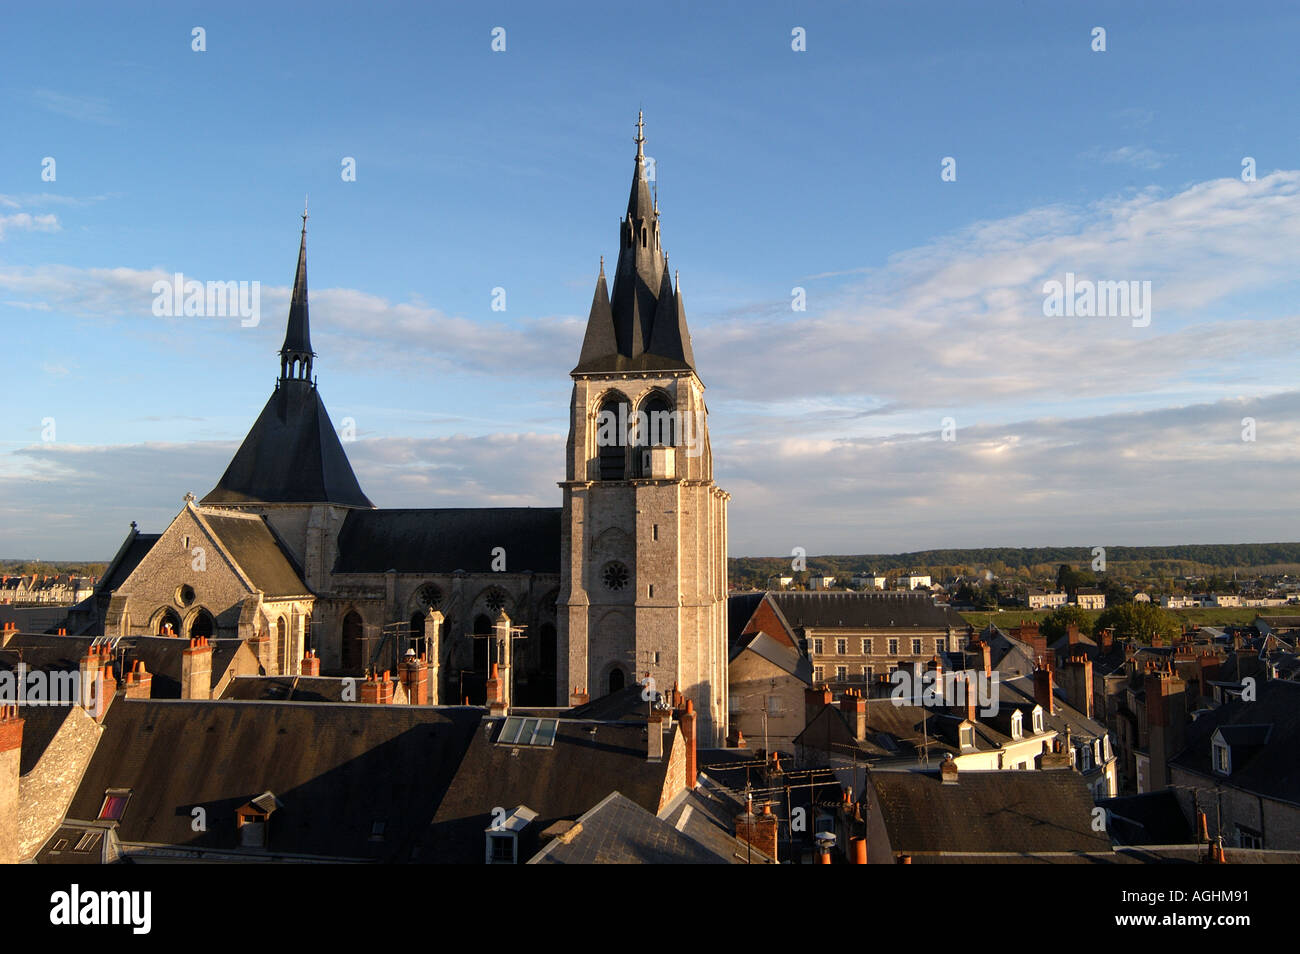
[(1212, 616)]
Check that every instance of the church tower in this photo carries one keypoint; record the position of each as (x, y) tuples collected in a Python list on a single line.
[(292, 468), (643, 564)]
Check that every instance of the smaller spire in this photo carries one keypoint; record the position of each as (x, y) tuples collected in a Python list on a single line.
[(640, 136)]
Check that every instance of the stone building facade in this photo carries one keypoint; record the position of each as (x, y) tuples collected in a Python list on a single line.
[(627, 579), (643, 591)]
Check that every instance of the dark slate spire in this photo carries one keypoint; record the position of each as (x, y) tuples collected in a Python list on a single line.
[(600, 339), (296, 353), (292, 455), (642, 293)]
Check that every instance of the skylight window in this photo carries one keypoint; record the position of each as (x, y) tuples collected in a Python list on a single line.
[(522, 731), (114, 805)]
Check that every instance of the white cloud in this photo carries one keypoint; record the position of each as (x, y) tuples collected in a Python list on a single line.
[(27, 222)]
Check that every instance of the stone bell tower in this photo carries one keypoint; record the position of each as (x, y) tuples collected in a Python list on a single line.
[(643, 586)]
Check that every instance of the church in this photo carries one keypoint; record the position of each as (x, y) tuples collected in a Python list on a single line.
[(625, 582)]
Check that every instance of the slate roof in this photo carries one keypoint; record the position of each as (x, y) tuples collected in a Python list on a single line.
[(161, 655), (778, 654), (336, 770), (987, 811), (740, 609), (285, 688), (133, 550), (1154, 818), (830, 610), (618, 831), (1266, 770), (587, 762), (446, 540), (254, 546), (291, 455)]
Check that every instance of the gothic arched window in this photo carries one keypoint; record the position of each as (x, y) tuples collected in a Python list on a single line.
[(612, 438)]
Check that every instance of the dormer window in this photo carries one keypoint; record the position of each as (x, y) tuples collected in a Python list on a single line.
[(966, 736), (1038, 720), (1222, 758), (1016, 725), (1085, 758)]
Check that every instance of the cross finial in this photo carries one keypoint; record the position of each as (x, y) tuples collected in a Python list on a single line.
[(304, 213), (640, 135)]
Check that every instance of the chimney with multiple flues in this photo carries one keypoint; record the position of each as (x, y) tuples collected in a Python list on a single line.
[(310, 664), (854, 708), (138, 682), (758, 830), (196, 669), (377, 689), (1043, 689)]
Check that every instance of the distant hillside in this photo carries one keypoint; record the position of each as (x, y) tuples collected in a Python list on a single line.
[(1193, 559)]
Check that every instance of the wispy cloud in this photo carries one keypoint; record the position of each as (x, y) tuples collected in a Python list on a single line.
[(90, 109), (25, 221), (1141, 157)]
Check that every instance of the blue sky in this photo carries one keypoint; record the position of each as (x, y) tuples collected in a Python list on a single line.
[(817, 169)]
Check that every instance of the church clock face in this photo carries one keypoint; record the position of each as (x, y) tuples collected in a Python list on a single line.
[(614, 576)]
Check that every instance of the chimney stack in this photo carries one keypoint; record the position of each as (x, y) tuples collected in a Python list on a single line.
[(414, 673), (139, 681), (310, 664), (654, 738), (758, 830), (196, 669), (377, 689), (1043, 689), (815, 700), (948, 772), (854, 708), (11, 744), (687, 719), (1076, 680), (578, 697)]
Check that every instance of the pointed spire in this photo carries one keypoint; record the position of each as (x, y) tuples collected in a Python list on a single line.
[(639, 324), (296, 354)]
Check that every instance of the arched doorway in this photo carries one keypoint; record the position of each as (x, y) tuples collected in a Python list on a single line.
[(353, 643), (203, 625), (617, 679), (169, 623)]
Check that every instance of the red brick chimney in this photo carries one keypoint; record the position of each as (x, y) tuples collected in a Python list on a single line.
[(687, 719), (814, 701), (139, 682), (758, 830), (654, 731), (11, 744), (972, 699), (196, 669), (377, 689), (1043, 690), (414, 674), (310, 664), (854, 708), (1076, 680)]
